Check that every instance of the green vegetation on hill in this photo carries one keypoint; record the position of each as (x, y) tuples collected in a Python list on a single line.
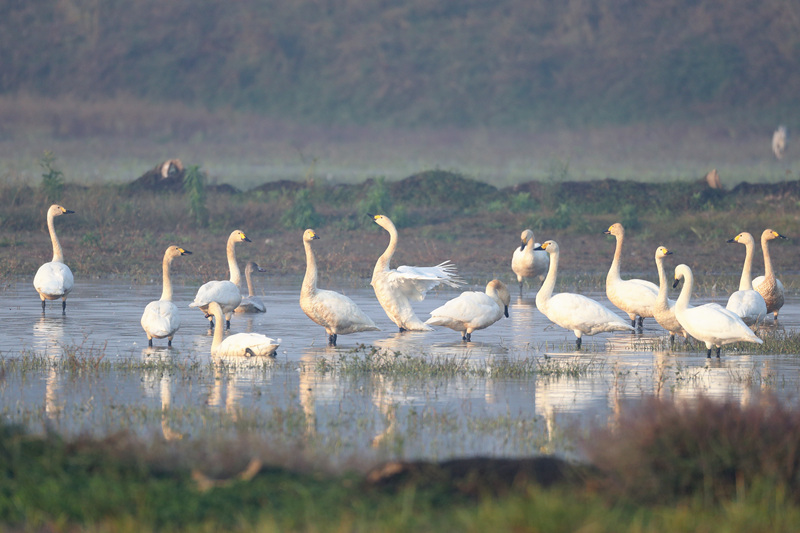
[(506, 62)]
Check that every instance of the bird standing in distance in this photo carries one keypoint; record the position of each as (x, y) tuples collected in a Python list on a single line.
[(54, 280), (251, 303), (161, 318), (526, 262), (747, 303)]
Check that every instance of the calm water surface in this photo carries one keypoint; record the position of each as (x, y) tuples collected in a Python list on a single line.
[(293, 403)]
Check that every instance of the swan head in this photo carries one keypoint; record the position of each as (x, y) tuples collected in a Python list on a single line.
[(214, 310), (382, 220), (549, 246), (743, 238), (616, 230), (526, 237), (770, 234), (309, 235), (252, 266), (681, 272), (498, 288), (662, 252), (57, 210), (238, 236), (176, 251)]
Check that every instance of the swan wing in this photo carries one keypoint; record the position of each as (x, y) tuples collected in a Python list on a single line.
[(161, 319), (749, 305), (224, 292), (414, 282), (579, 313), (240, 343), (339, 313), (251, 304), (713, 323), (760, 279), (54, 279)]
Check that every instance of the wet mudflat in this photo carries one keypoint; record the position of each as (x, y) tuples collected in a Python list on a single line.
[(518, 389)]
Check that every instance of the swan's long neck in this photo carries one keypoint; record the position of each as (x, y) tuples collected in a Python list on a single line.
[(249, 281), (549, 282), (613, 272), (236, 275), (166, 292), (219, 324), (662, 283), (764, 248), (310, 280), (383, 261), (746, 283), (58, 255), (686, 292)]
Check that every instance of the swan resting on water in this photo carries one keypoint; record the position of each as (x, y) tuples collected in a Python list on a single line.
[(337, 313), (239, 344), (473, 310), (747, 303), (710, 323), (397, 288), (251, 303), (571, 311), (224, 292), (161, 318), (54, 280), (526, 262)]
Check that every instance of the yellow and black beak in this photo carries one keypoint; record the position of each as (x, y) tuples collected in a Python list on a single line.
[(185, 252)]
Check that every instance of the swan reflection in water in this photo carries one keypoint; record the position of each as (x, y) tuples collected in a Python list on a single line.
[(48, 335)]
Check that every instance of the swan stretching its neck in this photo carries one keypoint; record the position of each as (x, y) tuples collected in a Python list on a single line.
[(239, 344), (473, 310), (396, 288), (634, 296), (54, 280), (526, 262), (337, 313), (768, 285), (251, 303), (709, 323), (225, 292), (575, 312), (747, 303), (161, 318), (664, 308)]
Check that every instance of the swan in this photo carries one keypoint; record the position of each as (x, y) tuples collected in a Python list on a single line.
[(664, 308), (54, 280), (768, 285), (251, 303), (161, 317), (337, 313), (634, 296), (576, 312), (239, 344), (747, 303), (527, 263), (473, 310), (709, 323), (225, 293), (396, 288)]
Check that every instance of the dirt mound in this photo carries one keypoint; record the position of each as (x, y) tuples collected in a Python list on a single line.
[(166, 176), (440, 187)]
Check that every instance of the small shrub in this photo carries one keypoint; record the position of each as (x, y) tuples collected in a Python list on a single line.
[(521, 203), (301, 214), (377, 199), (629, 217), (195, 186), (52, 178)]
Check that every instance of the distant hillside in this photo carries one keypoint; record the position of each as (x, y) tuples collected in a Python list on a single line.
[(461, 62)]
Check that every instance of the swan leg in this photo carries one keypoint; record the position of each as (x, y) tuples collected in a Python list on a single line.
[(468, 337), (150, 342), (64, 307), (169, 342), (43, 305), (332, 339), (402, 329), (718, 349), (227, 324), (633, 325), (671, 340), (708, 354), (640, 326), (520, 289), (248, 352), (578, 343)]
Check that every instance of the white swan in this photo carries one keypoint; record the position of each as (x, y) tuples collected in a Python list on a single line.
[(768, 285), (634, 296), (709, 323), (239, 344), (161, 318), (251, 303), (54, 280), (396, 288), (575, 312), (664, 308), (337, 313), (747, 303), (528, 263), (225, 292), (473, 310)]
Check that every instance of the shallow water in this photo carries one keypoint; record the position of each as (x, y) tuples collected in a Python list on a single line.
[(293, 401)]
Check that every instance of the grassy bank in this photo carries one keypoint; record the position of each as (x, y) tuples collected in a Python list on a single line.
[(122, 231), (655, 473)]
